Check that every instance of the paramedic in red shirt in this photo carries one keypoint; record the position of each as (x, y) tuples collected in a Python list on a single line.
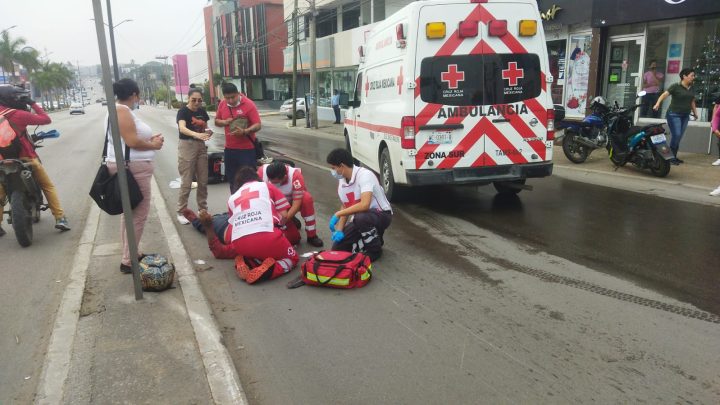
[(240, 143), (14, 103), (289, 180), (365, 214), (255, 210)]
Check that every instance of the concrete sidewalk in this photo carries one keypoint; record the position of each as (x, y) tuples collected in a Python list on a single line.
[(696, 173), (164, 349)]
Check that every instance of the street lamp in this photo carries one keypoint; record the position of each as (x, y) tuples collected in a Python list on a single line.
[(165, 74), (7, 29), (111, 28)]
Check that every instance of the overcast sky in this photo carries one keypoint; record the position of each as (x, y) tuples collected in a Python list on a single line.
[(63, 30)]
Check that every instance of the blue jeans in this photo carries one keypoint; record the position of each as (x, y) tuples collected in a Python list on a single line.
[(677, 122), (234, 160)]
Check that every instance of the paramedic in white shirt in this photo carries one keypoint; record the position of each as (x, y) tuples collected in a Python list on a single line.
[(365, 214)]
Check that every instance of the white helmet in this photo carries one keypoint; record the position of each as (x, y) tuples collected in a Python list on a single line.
[(599, 100)]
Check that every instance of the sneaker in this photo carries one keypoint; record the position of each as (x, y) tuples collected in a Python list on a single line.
[(2, 231), (265, 160), (716, 163), (188, 214), (182, 220), (125, 269), (261, 272), (315, 241), (715, 192), (679, 160), (241, 268), (62, 224)]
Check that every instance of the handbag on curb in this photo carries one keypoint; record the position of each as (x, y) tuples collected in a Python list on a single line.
[(337, 269), (105, 189)]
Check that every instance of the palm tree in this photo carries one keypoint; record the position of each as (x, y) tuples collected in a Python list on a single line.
[(12, 51), (52, 79)]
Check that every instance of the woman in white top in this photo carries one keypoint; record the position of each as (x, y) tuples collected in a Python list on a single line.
[(143, 144)]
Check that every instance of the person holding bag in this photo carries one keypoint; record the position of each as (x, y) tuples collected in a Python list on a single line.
[(142, 146)]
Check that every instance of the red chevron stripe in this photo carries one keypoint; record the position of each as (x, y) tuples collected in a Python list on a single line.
[(526, 132), (466, 144), (502, 142)]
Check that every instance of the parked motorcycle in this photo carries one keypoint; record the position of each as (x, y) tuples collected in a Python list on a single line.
[(23, 192), (580, 138), (644, 147)]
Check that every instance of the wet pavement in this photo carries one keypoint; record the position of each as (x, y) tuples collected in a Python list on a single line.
[(664, 244)]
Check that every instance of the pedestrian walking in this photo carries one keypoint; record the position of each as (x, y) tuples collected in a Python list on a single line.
[(682, 105), (335, 102), (137, 135), (192, 122)]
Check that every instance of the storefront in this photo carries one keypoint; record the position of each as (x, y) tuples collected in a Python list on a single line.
[(645, 50), (569, 43)]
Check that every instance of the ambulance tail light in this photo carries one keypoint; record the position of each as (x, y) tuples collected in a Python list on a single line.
[(550, 125), (407, 132), (497, 28), (528, 28)]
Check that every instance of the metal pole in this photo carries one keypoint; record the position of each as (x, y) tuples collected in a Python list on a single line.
[(313, 67), (116, 68), (82, 98), (294, 74), (167, 83), (115, 129)]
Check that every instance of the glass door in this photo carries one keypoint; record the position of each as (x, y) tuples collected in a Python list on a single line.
[(623, 77)]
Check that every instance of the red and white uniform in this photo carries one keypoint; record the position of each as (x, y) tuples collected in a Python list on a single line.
[(253, 214), (362, 181), (294, 189)]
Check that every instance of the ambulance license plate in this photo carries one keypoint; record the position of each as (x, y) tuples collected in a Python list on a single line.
[(656, 139), (440, 138)]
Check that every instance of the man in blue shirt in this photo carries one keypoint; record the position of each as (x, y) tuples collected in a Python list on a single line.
[(335, 102)]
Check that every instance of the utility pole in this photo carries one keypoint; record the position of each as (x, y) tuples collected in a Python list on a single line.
[(313, 67), (295, 53), (166, 76), (116, 68), (82, 98)]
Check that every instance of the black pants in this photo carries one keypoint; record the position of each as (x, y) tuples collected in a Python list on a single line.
[(234, 160), (365, 233), (336, 109), (648, 101), (219, 224)]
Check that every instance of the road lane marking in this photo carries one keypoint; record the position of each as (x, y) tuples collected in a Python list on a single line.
[(219, 369), (57, 360)]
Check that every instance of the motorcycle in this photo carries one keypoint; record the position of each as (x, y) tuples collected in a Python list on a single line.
[(580, 138), (644, 147), (23, 192)]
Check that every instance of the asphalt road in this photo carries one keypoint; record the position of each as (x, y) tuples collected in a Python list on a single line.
[(544, 298), (34, 278)]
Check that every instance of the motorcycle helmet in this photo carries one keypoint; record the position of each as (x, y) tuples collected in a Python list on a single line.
[(156, 273), (599, 100), (14, 96)]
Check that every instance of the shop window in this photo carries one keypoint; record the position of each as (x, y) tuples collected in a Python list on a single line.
[(557, 59), (254, 88), (378, 10), (324, 80), (277, 88), (350, 17), (343, 82)]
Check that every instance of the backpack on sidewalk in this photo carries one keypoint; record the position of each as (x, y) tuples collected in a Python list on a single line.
[(337, 269)]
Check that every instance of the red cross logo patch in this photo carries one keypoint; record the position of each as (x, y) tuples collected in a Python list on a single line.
[(400, 81), (245, 197), (512, 74), (452, 77)]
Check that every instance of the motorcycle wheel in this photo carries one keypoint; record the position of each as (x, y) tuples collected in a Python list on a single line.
[(575, 152), (505, 187), (659, 167), (21, 219)]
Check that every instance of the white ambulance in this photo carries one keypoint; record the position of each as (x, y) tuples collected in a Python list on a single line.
[(454, 92)]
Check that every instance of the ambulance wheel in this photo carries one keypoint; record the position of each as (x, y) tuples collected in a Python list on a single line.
[(387, 180), (509, 187)]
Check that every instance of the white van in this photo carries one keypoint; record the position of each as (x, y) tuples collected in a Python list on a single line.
[(454, 92)]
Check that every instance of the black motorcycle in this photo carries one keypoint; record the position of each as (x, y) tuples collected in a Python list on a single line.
[(644, 147), (23, 192)]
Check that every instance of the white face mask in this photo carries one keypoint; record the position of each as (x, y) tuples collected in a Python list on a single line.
[(336, 174), (236, 104)]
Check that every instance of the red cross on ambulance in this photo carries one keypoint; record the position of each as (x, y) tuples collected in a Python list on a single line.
[(452, 77), (512, 74)]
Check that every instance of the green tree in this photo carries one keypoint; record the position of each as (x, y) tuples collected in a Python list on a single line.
[(13, 51), (52, 79)]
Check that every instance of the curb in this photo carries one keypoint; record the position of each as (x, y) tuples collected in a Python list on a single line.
[(220, 371), (51, 387)]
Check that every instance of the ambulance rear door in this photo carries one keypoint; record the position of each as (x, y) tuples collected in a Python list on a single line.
[(514, 96)]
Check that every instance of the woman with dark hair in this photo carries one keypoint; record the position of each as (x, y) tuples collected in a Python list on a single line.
[(138, 136), (652, 81), (681, 106), (257, 210), (192, 122)]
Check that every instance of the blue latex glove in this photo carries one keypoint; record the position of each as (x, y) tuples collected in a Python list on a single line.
[(337, 236), (333, 221)]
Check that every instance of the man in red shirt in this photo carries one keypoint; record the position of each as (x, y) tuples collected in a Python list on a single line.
[(239, 142), (14, 103)]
